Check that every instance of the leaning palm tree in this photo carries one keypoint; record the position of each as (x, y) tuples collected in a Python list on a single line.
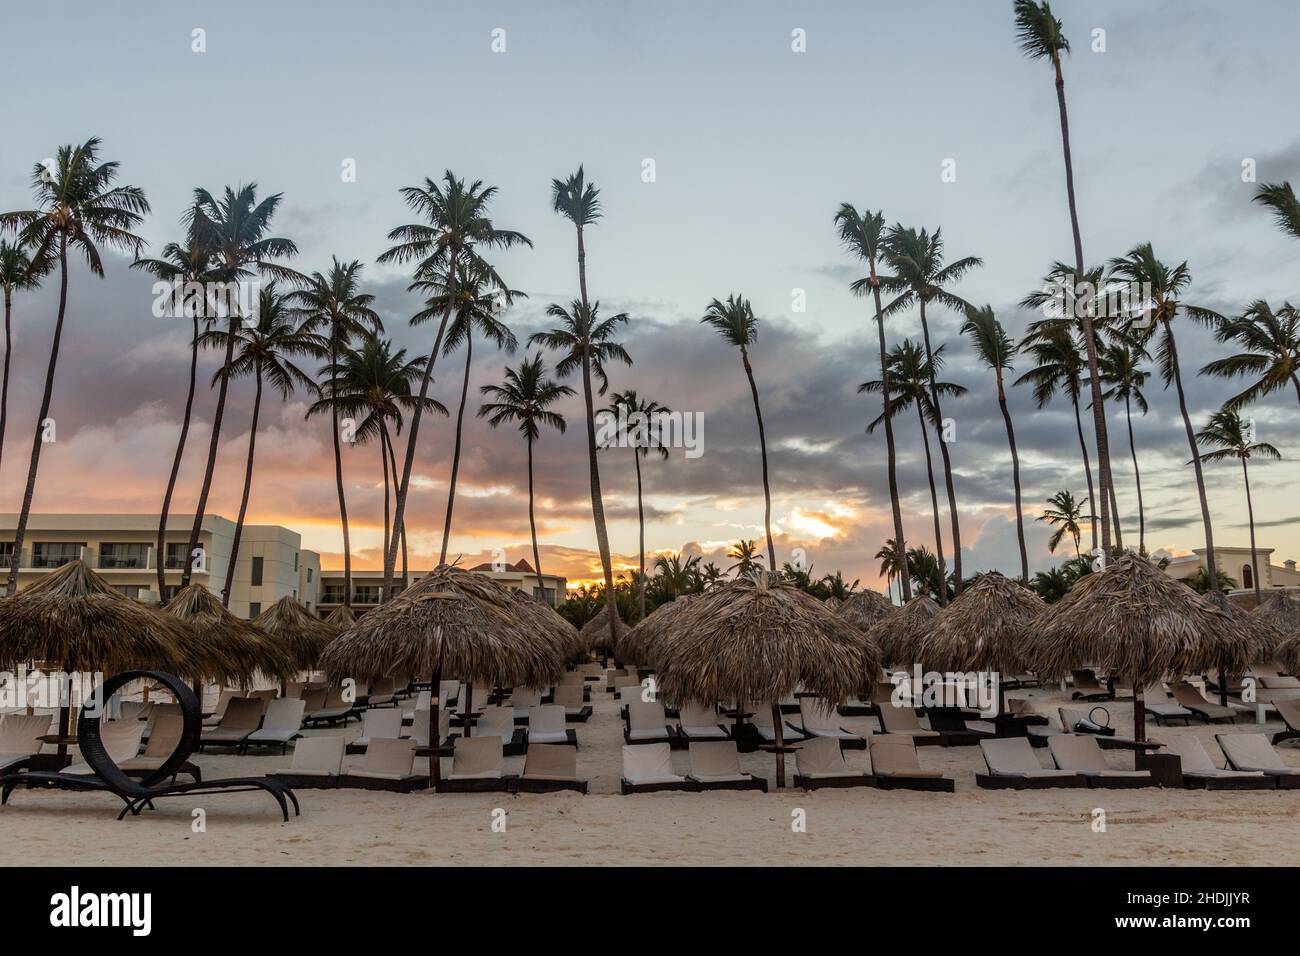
[(920, 276), (1233, 437), (995, 350), (1123, 375), (1166, 285), (334, 307), (235, 230), (525, 396), (1039, 34), (586, 343), (264, 352), (17, 273), (1271, 351), (77, 206), (736, 325), (456, 225), (643, 436), (1064, 514), (1280, 198), (861, 233)]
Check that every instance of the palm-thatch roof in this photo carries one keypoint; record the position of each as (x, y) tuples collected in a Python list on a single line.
[(864, 608), (341, 617), (224, 647), (1281, 610), (983, 629), (73, 616), (636, 646), (595, 633), (454, 623), (754, 640), (1135, 621), (832, 602), (1263, 636), (898, 633), (543, 616), (1288, 654), (302, 634)]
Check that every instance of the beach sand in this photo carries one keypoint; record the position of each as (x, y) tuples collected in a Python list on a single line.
[(863, 827)]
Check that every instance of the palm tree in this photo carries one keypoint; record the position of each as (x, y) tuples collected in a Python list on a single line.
[(457, 224), (1281, 200), (234, 229), (77, 205), (263, 351), (1063, 514), (916, 258), (891, 561), (674, 573), (861, 234), (1141, 268), (334, 307), (17, 273), (1124, 376), (928, 572), (586, 343), (745, 553), (914, 383), (184, 264), (1040, 37), (526, 396), (1271, 343), (995, 350), (643, 437), (474, 297), (1234, 438), (736, 325)]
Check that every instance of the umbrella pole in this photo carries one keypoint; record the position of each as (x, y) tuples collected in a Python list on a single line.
[(1223, 689), (468, 705), (780, 745), (740, 707), (1139, 714), (435, 708)]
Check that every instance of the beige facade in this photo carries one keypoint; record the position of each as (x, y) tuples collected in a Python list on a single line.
[(1236, 564)]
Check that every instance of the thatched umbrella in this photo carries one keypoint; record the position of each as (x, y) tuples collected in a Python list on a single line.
[(1263, 635), (898, 633), (756, 639), (341, 617), (595, 633), (832, 602), (636, 646), (543, 616), (1135, 620), (222, 647), (863, 608), (73, 616), (452, 622), (302, 634), (1282, 610), (1288, 654)]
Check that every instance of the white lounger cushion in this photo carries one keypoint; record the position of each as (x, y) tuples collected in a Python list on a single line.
[(649, 763), (546, 724), (317, 756)]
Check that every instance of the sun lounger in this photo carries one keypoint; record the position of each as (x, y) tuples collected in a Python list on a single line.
[(383, 724), (522, 699), (389, 765), (164, 740), (448, 693), (550, 767), (1013, 766), (1289, 711), (500, 722), (335, 708), (121, 740), (902, 721), (1073, 717), (698, 723), (476, 766), (950, 722), (715, 765), (820, 763), (762, 721), (317, 763), (243, 716), (647, 724), (648, 768), (1080, 753), (20, 739), (419, 730), (1157, 702), (1191, 698), (1087, 687), (569, 696), (546, 726), (423, 701), (280, 726), (1199, 770), (857, 707), (896, 766), (223, 701), (383, 693), (1254, 752), (817, 719)]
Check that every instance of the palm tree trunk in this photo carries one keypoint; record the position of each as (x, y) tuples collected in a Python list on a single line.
[(455, 456), (392, 467), (338, 477), (1250, 516), (214, 444), (383, 462), (934, 508), (905, 579), (1089, 337), (762, 446), (640, 515), (532, 526), (160, 548), (1087, 468), (4, 389), (1015, 480), (1114, 517), (248, 484), (1137, 476), (947, 462), (597, 504), (30, 490), (1212, 568)]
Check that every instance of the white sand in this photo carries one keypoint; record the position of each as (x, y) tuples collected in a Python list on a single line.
[(856, 827)]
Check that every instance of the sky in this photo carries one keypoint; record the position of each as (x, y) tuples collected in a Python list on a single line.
[(754, 146)]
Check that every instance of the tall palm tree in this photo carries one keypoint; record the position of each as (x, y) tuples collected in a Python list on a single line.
[(1124, 377), (187, 264), (1271, 351), (526, 396), (745, 553), (77, 205), (917, 260), (914, 383), (643, 438), (334, 307), (674, 573), (586, 343), (1280, 198), (861, 234), (235, 230), (736, 325), (1231, 437), (1039, 34), (1064, 514), (457, 224), (17, 273), (475, 297), (1141, 268), (891, 561), (928, 572), (265, 353), (995, 349)]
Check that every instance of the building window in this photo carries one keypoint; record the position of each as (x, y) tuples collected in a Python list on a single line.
[(333, 594), (176, 552), (254, 608), (257, 571), (130, 590), (295, 562), (1247, 577), (55, 554), (546, 594), (367, 594), (6, 552), (119, 555), (309, 575)]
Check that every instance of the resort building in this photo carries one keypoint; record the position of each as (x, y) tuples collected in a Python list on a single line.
[(1236, 564), (367, 586)]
